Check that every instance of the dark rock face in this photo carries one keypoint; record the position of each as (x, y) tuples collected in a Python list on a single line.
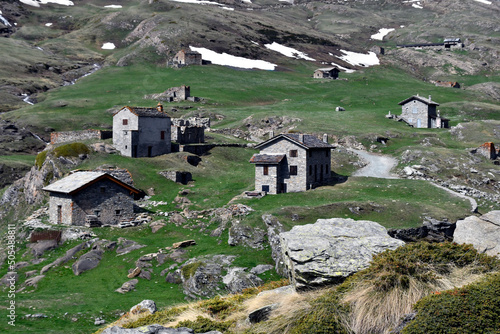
[(432, 231), (87, 261), (261, 314)]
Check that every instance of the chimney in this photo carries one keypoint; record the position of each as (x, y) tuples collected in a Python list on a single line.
[(429, 98), (325, 138), (301, 137), (159, 107), (271, 134)]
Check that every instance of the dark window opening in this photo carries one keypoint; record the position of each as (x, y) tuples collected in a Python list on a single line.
[(150, 151), (162, 135), (118, 212), (125, 122), (266, 170), (103, 189), (293, 170), (310, 170), (310, 154), (293, 153), (326, 153), (97, 213), (265, 188)]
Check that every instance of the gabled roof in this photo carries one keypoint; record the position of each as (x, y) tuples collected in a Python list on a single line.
[(144, 112), (419, 98), (267, 159), (307, 142), (328, 69), (80, 180)]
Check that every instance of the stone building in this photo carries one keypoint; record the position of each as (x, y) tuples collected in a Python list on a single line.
[(292, 163), (420, 112), (184, 131), (142, 132), (326, 73), (84, 197), (186, 58)]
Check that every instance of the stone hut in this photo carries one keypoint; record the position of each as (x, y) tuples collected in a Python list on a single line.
[(488, 151), (420, 112), (186, 58), (96, 197), (292, 163), (326, 73), (186, 132), (142, 132)]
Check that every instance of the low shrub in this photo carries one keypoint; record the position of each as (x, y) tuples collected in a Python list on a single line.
[(160, 317), (189, 269), (472, 309), (203, 325), (40, 159), (71, 150)]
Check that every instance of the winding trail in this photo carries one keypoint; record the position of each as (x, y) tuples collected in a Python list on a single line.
[(380, 166)]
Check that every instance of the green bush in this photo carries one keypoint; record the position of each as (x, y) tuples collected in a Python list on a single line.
[(217, 305), (71, 150), (424, 262), (40, 159), (472, 309), (189, 269), (202, 325), (159, 317)]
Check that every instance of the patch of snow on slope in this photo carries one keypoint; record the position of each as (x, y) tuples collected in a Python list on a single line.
[(289, 52), (4, 21), (360, 59), (381, 33), (108, 46), (202, 2), (113, 6), (484, 1), (229, 60), (246, 1), (37, 3), (227, 8), (48, 24)]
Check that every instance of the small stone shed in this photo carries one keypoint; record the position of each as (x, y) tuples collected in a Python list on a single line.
[(186, 58), (326, 73), (91, 196), (292, 162), (420, 112), (142, 132)]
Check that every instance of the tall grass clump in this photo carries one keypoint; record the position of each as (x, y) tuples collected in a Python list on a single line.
[(472, 309), (381, 295)]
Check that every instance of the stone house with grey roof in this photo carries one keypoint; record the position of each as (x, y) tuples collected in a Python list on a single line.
[(142, 132), (292, 162), (420, 112), (97, 197), (326, 73), (186, 58)]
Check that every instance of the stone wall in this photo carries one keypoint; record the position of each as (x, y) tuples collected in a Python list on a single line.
[(176, 176), (416, 113), (269, 182), (488, 151), (72, 136)]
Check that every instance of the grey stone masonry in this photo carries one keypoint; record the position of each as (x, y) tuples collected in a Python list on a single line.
[(70, 136), (142, 132), (420, 112), (81, 195), (188, 131), (291, 163)]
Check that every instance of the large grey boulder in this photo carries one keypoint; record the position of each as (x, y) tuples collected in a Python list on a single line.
[(331, 249), (238, 279), (128, 286), (87, 261), (40, 247), (68, 256), (482, 232), (145, 305), (126, 246)]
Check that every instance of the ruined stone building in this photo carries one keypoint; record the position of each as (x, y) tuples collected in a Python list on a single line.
[(292, 163), (420, 112), (142, 132), (328, 73), (187, 131), (90, 196), (186, 58)]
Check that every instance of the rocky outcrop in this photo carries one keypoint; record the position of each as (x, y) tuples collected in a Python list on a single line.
[(128, 286), (238, 279), (146, 305), (153, 329), (247, 236), (432, 230), (68, 256), (87, 261), (126, 246), (331, 249), (40, 247), (482, 232), (274, 228)]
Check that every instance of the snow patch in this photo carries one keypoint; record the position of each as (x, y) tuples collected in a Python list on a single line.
[(113, 6), (4, 21), (37, 3), (360, 59), (287, 51), (48, 24), (108, 46), (227, 8), (246, 1), (203, 2), (484, 1), (234, 61), (381, 33)]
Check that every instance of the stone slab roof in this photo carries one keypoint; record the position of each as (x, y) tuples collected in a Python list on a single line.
[(303, 140), (145, 112), (266, 159), (419, 98), (79, 180), (327, 69)]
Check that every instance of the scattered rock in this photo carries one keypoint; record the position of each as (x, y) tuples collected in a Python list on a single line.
[(237, 279), (40, 247), (261, 268), (68, 256), (155, 226), (177, 255), (126, 246), (177, 219), (31, 273), (134, 273), (128, 286), (34, 281), (99, 321), (261, 314), (8, 278), (482, 232), (246, 235), (432, 230), (173, 277), (20, 265), (146, 274), (331, 249), (274, 228), (87, 261), (145, 305), (183, 244)]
